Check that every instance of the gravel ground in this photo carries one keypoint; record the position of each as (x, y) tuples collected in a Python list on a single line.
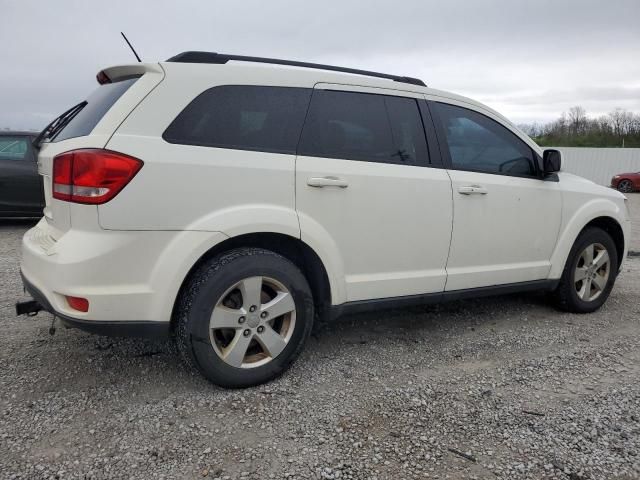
[(516, 388)]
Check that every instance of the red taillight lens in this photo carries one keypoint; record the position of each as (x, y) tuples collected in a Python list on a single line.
[(78, 303), (92, 176), (62, 176)]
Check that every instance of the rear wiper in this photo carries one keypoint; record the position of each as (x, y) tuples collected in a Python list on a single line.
[(58, 124), (64, 121)]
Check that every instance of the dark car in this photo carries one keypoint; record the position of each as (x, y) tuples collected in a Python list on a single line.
[(626, 182), (21, 193)]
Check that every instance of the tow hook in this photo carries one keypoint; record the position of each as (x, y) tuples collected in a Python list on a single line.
[(29, 308)]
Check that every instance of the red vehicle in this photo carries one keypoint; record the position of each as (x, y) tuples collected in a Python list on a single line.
[(626, 182)]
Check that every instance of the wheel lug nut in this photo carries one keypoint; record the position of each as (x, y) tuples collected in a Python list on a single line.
[(247, 332), (241, 320), (263, 315), (252, 308), (260, 329)]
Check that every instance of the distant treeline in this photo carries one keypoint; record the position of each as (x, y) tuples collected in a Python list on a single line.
[(575, 129)]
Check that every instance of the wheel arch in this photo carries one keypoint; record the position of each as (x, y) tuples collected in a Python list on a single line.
[(294, 249), (605, 220), (614, 229)]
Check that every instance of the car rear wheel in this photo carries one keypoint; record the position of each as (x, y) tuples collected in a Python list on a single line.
[(590, 272), (244, 317), (625, 186)]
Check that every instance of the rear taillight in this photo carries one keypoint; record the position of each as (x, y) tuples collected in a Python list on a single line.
[(92, 176)]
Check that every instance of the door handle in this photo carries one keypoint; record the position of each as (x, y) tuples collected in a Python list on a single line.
[(472, 190), (320, 182)]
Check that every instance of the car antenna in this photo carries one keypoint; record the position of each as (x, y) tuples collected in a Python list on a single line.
[(130, 46)]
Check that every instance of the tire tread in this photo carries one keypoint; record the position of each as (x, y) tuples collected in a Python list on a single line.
[(563, 295), (183, 317)]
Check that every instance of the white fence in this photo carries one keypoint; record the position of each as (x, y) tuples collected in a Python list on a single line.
[(600, 164)]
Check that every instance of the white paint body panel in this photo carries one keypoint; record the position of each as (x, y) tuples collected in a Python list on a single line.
[(125, 275), (189, 187), (388, 234), (583, 201), (389, 230), (504, 236)]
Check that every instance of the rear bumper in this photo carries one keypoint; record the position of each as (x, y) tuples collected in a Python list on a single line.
[(147, 329), (130, 278)]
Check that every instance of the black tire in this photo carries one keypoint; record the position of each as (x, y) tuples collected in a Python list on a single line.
[(625, 186), (202, 292), (566, 296)]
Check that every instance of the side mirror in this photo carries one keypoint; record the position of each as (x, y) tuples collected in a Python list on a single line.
[(551, 161)]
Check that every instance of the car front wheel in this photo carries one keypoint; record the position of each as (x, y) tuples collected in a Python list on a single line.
[(590, 272), (244, 317)]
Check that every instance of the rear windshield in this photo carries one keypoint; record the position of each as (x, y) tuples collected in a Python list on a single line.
[(98, 103)]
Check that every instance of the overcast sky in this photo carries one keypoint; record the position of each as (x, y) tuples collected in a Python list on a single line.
[(529, 59)]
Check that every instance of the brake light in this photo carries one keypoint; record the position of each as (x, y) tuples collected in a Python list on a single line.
[(92, 176)]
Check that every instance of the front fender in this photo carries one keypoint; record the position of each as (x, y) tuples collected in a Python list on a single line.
[(581, 215)]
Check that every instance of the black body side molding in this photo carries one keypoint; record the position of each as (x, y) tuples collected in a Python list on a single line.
[(431, 298)]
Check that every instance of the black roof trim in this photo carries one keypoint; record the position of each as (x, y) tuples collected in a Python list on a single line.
[(222, 58)]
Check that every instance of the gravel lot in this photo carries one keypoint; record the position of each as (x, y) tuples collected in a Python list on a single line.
[(517, 388)]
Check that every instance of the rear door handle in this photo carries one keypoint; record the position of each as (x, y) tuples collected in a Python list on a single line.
[(320, 182), (472, 190)]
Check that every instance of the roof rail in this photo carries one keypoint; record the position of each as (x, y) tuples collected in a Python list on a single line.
[(221, 58)]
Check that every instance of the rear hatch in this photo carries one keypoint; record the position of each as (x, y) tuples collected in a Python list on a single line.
[(91, 125)]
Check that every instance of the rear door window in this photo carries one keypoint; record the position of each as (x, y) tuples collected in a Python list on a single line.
[(243, 117), (98, 103), (363, 126)]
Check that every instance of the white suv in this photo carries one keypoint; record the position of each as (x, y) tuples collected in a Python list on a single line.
[(230, 201)]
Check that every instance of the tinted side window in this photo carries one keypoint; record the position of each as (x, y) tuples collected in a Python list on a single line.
[(98, 103), (267, 119), (478, 143), (361, 126), (13, 148)]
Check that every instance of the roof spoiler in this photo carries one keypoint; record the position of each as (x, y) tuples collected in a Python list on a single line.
[(124, 72)]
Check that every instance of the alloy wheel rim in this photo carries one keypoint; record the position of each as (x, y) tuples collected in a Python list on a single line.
[(625, 186), (252, 322), (592, 272)]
